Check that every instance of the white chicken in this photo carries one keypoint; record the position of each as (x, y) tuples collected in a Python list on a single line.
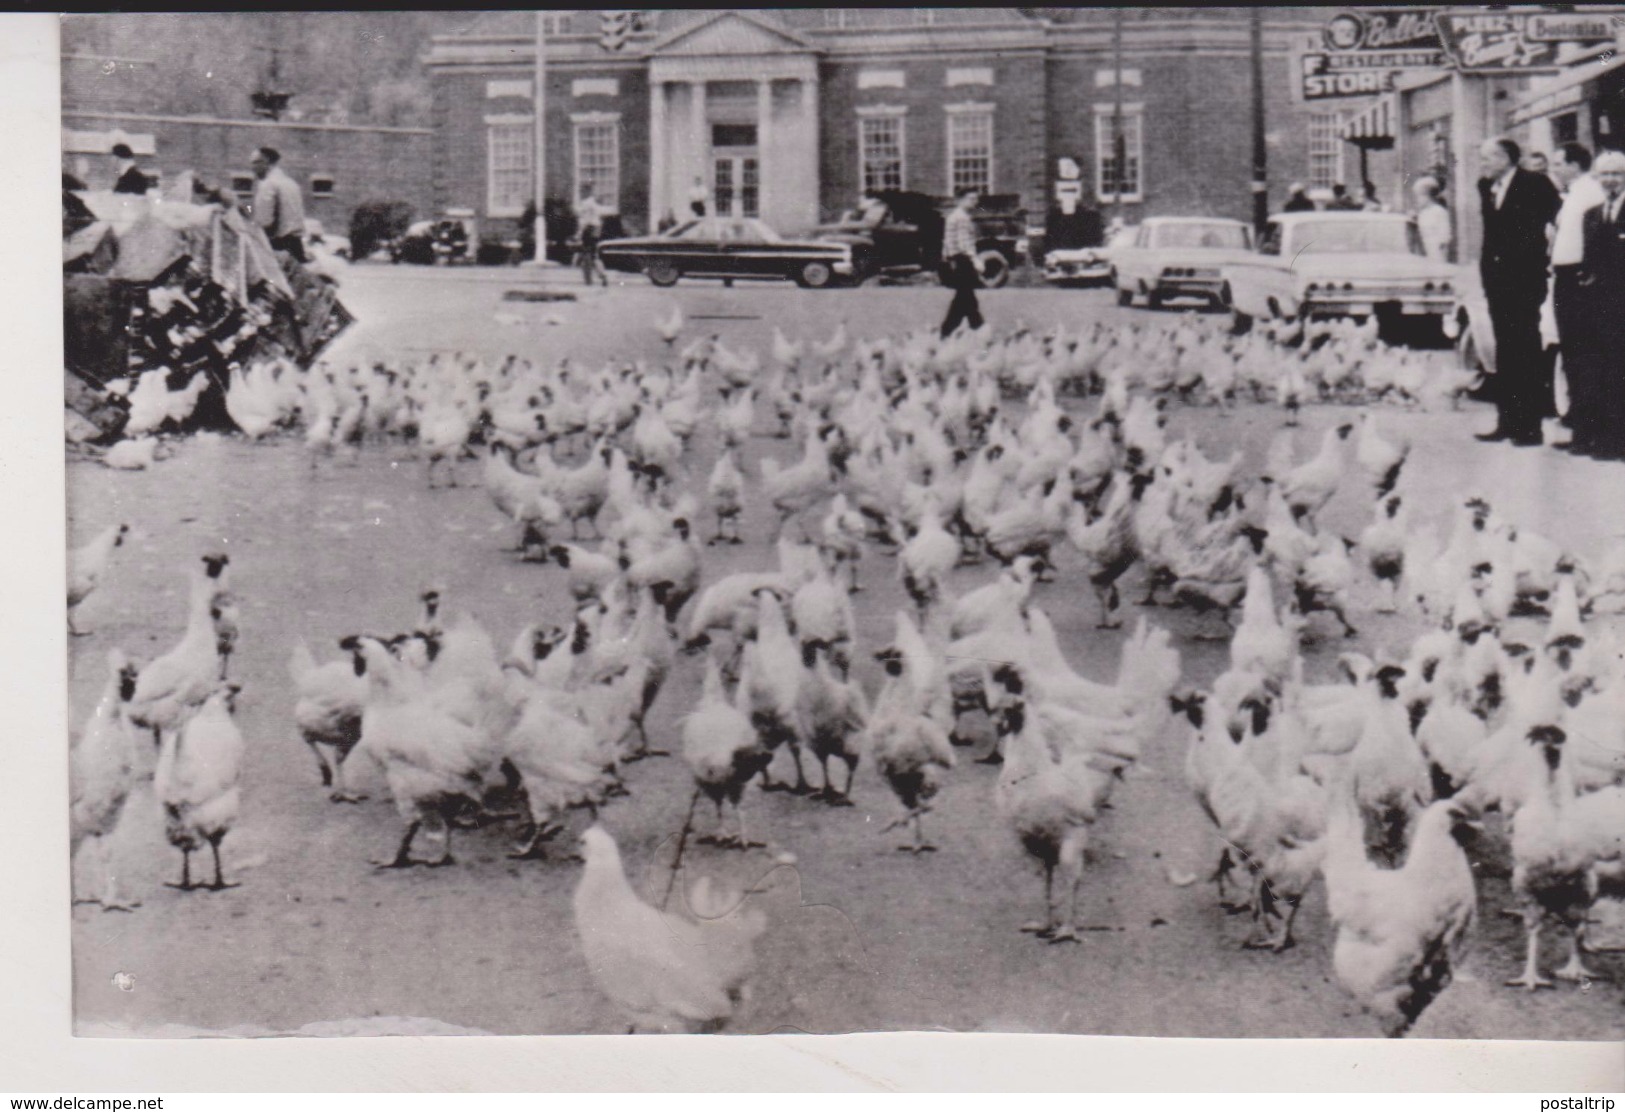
[(105, 764), (199, 782), (87, 565), (665, 972), (332, 698)]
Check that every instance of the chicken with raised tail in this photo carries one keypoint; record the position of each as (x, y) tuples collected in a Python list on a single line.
[(332, 697)]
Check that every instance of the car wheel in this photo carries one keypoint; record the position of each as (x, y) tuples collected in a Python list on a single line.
[(662, 273), (995, 269), (1153, 300), (1125, 298), (815, 276)]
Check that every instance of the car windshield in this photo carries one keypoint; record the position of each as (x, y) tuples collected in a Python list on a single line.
[(703, 228), (1199, 235), (1336, 237)]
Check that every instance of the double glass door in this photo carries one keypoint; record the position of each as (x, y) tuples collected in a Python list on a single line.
[(736, 185)]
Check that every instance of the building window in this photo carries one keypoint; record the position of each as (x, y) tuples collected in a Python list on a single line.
[(598, 160), (1119, 179), (1325, 149), (321, 185), (1566, 128), (509, 149), (556, 23), (242, 185), (880, 151), (840, 17), (970, 151)]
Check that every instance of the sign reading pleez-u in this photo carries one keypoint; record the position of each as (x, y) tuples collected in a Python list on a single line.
[(1500, 42)]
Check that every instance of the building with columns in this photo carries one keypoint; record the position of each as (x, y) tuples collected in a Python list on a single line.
[(789, 114)]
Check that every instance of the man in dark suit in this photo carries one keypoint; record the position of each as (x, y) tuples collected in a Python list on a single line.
[(1517, 206), (1602, 294), (130, 177)]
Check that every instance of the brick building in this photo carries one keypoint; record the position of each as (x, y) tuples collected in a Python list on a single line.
[(790, 114), (112, 100)]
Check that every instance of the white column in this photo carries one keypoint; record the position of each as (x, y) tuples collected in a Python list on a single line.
[(700, 141), (659, 172), (765, 162), (812, 150)]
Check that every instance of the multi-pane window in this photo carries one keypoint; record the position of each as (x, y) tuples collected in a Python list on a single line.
[(880, 145), (1119, 169), (1325, 149), (970, 151), (598, 160), (509, 147)]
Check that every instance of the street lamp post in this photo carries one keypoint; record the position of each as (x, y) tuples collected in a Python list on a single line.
[(1260, 182), (1119, 146), (540, 158)]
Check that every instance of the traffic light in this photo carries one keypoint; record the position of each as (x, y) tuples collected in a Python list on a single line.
[(617, 28)]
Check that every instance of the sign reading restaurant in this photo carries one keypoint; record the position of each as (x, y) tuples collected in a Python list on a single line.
[(1364, 49), (1520, 41)]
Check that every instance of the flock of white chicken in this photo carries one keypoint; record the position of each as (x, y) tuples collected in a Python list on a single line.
[(934, 454)]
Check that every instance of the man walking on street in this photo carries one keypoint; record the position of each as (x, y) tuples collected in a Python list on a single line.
[(1517, 208), (1602, 286), (961, 270), (1575, 334), (279, 208), (590, 225)]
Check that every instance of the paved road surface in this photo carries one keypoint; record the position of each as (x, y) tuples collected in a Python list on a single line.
[(878, 939)]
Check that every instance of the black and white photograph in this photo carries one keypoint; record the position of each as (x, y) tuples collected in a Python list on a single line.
[(1082, 521)]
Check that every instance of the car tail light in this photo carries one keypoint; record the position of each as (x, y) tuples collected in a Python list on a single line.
[(1348, 287), (1444, 287), (1311, 288), (1427, 287)]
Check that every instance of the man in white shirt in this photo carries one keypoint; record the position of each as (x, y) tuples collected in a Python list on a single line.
[(590, 224), (1433, 219), (279, 208), (1581, 192)]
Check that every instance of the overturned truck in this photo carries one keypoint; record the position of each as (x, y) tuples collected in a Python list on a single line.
[(154, 285)]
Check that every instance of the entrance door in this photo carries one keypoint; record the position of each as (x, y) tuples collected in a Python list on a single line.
[(736, 186)]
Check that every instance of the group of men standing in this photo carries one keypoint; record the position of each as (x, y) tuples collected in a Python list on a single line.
[(1578, 237)]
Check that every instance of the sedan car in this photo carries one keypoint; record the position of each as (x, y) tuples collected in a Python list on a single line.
[(726, 248), (1069, 266), (1340, 264), (1178, 256)]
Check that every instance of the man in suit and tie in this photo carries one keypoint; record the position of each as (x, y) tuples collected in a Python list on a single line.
[(1601, 427), (1518, 206)]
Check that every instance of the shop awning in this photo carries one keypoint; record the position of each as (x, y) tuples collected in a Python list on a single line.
[(1372, 129), (1566, 91)]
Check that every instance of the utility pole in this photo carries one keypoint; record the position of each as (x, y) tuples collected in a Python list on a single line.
[(1260, 184), (1119, 146), (540, 159)]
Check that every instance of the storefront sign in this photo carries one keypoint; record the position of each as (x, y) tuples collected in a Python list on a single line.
[(1326, 76), (1518, 42), (1382, 29)]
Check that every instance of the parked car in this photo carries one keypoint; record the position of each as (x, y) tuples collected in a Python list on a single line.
[(726, 248), (906, 239), (1340, 264), (436, 242), (1086, 266), (1178, 256)]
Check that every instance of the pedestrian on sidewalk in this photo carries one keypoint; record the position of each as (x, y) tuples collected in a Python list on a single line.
[(1575, 334), (1518, 206), (1602, 285), (590, 226), (1433, 221), (961, 269)]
